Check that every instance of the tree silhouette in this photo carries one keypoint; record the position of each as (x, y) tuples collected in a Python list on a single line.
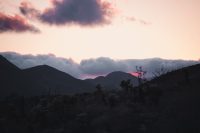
[(157, 73), (141, 78), (140, 74), (99, 87), (99, 94), (126, 85)]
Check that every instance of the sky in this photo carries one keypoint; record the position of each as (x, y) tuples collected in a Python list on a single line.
[(118, 29)]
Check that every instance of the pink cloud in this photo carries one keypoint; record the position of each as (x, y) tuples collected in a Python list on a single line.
[(15, 23)]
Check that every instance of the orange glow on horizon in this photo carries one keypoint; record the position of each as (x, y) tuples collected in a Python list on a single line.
[(134, 74)]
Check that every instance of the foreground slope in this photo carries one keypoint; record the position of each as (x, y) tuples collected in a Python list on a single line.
[(179, 108), (180, 112)]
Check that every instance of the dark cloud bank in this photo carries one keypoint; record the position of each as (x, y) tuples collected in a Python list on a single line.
[(95, 67), (81, 12), (15, 23)]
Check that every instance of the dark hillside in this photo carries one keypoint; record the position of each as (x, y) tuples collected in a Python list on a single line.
[(54, 81), (39, 80), (112, 80), (167, 104), (179, 106)]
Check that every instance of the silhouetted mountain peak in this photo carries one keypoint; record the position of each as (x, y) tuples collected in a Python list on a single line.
[(119, 73), (113, 79), (44, 66), (99, 77), (41, 68), (47, 70), (43, 78)]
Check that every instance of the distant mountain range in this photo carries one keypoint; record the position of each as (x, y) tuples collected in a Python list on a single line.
[(44, 80)]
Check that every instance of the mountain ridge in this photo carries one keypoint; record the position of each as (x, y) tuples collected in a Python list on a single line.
[(44, 79), (38, 80), (5, 65)]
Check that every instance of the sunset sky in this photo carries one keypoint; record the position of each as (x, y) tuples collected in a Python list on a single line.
[(118, 29)]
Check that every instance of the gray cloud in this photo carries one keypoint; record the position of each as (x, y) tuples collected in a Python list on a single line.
[(105, 65), (27, 61), (144, 22), (101, 66), (82, 12), (133, 19), (15, 23), (95, 67)]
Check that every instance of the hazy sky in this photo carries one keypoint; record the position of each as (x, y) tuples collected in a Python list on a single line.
[(118, 29)]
